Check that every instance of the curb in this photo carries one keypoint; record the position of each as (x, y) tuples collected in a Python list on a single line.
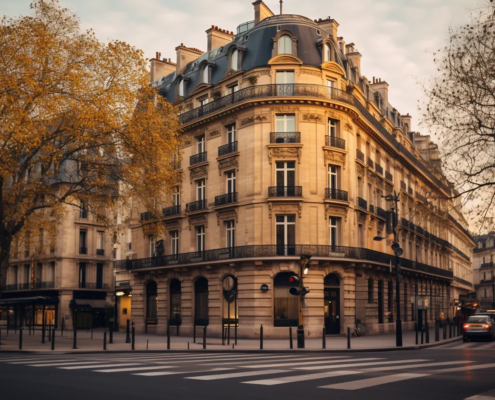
[(373, 350)]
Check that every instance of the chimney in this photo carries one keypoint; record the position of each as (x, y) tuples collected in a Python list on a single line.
[(160, 68), (261, 11), (380, 87), (341, 44), (329, 25), (218, 37), (407, 120), (185, 55), (354, 55)]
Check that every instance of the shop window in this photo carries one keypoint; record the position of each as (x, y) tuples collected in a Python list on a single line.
[(175, 302), (151, 302), (286, 306), (201, 302)]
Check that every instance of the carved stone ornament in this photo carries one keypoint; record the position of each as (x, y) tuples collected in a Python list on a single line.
[(285, 152), (199, 172), (228, 163), (311, 72), (214, 133), (228, 121), (227, 215), (187, 141), (252, 119), (199, 220), (285, 109), (172, 226), (332, 114), (332, 211), (348, 127), (262, 72), (360, 170), (284, 208), (334, 157), (313, 117)]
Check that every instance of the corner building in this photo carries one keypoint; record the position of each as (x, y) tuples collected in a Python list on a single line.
[(289, 150)]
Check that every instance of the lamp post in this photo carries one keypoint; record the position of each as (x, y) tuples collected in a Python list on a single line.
[(392, 224), (300, 328)]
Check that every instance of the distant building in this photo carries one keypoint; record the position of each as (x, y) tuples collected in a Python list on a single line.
[(290, 150), (484, 270)]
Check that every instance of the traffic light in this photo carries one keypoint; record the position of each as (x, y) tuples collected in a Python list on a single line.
[(295, 291), (294, 279)]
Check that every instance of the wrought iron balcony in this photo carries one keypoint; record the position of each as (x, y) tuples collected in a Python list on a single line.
[(267, 251), (227, 198), (260, 91), (381, 212), (404, 222), (83, 250), (403, 185), (336, 194), (420, 230), (370, 163), (227, 149), (285, 137), (123, 284), (196, 206), (488, 265), (389, 176), (333, 141), (360, 155), (100, 252), (146, 216), (372, 208), (285, 191), (362, 203), (379, 169), (412, 227), (169, 211), (44, 285), (410, 190), (198, 158)]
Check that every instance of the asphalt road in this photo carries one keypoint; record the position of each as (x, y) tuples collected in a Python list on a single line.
[(457, 371)]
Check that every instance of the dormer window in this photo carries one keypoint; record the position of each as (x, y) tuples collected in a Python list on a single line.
[(327, 53), (285, 44), (234, 60), (206, 74), (181, 90)]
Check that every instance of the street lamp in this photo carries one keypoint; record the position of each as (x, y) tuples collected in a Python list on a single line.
[(392, 223)]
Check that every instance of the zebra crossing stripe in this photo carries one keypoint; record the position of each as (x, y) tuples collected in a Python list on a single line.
[(359, 364), (466, 368), (41, 360), (324, 360), (462, 346), (486, 346), (408, 366), (97, 366), (490, 395), (301, 378), (237, 374), (180, 372), (67, 363), (131, 369), (290, 358), (370, 382)]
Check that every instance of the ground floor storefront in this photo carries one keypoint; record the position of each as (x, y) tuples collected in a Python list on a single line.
[(248, 295)]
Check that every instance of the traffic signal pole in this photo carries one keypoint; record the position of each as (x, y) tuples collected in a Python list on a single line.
[(300, 327), (398, 322)]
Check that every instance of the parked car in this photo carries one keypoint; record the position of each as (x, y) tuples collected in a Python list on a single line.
[(478, 326), (491, 314)]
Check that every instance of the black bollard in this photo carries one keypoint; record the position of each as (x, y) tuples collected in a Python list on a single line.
[(194, 333), (204, 338), (168, 337), (62, 324), (91, 332), (111, 334), (291, 345), (422, 335), (53, 339), (49, 332), (43, 331), (348, 337), (74, 340), (324, 339), (133, 337), (437, 332), (105, 340), (128, 332), (0, 337), (223, 335), (427, 332), (444, 331), (416, 331), (450, 330), (20, 338), (261, 337)]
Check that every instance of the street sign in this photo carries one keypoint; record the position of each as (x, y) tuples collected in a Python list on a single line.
[(423, 302)]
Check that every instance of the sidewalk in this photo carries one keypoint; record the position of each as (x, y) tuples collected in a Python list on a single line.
[(150, 342)]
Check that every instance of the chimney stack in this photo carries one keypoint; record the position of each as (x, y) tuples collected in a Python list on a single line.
[(160, 68), (380, 87), (218, 37), (329, 25), (261, 11), (185, 55)]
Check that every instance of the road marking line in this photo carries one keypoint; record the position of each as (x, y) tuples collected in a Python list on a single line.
[(231, 359), (237, 374), (97, 366), (42, 360), (462, 346), (301, 378), (490, 395), (324, 360), (291, 358), (130, 369), (409, 366), (359, 364), (485, 346), (68, 363), (466, 368), (181, 372), (365, 383)]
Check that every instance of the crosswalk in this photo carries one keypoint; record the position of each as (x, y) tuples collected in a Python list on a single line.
[(322, 371), (471, 346)]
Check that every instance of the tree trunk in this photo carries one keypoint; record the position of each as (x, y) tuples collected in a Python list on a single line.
[(5, 245)]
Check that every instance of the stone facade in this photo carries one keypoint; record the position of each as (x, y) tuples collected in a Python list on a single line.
[(484, 270)]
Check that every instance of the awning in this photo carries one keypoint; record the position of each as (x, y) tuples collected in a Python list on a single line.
[(87, 303), (31, 300)]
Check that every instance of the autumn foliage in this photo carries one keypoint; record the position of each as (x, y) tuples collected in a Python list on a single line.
[(80, 126)]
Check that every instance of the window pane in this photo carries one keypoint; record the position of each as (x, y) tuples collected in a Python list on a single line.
[(291, 123), (289, 77), (280, 235), (291, 178), (280, 178)]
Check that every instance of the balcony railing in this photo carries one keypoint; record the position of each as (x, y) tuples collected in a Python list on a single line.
[(463, 281), (333, 141), (260, 91), (27, 286), (100, 252), (227, 198), (227, 149), (420, 230), (487, 265), (123, 284), (370, 163), (362, 203), (381, 212), (420, 197), (389, 176), (83, 250), (198, 158), (403, 185), (146, 216), (267, 251), (285, 191), (372, 208), (410, 190), (379, 169), (285, 137), (196, 206), (404, 222), (360, 155), (336, 194), (44, 285), (169, 211)]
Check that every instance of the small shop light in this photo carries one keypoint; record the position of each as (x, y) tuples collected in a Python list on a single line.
[(119, 294)]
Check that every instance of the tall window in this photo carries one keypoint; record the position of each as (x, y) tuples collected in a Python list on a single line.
[(181, 91), (203, 102), (286, 234), (206, 74), (151, 302), (333, 127), (230, 233), (285, 44), (284, 77), (333, 176), (201, 301), (286, 173), (286, 306), (231, 137), (234, 60), (176, 196), (334, 231), (82, 275), (27, 274), (231, 183), (200, 189), (371, 288), (285, 123), (151, 242), (99, 240), (15, 275), (201, 144), (175, 301), (174, 242), (83, 241), (327, 52), (99, 276), (200, 238)]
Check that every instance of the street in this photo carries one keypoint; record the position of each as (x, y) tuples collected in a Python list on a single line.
[(451, 371)]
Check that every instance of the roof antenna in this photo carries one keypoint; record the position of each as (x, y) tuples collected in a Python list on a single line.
[(281, 6)]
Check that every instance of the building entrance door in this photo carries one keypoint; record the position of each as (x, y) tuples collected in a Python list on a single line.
[(332, 311)]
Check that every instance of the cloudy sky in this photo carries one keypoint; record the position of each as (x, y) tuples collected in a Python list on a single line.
[(395, 37)]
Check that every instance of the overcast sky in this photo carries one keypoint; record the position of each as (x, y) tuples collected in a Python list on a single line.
[(395, 37)]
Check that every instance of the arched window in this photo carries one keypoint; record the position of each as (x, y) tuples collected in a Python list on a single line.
[(181, 88), (206, 74), (229, 300), (175, 302), (286, 305), (151, 302), (285, 44), (201, 301), (327, 52), (234, 60)]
